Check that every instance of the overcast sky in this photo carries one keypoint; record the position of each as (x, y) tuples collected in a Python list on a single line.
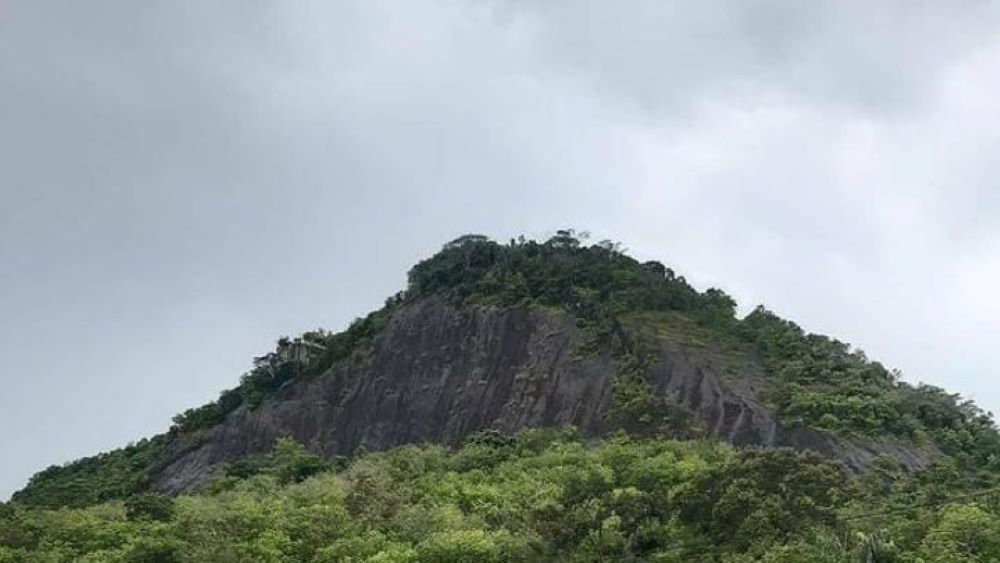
[(181, 182)]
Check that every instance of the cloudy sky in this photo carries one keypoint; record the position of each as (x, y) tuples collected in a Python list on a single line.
[(182, 182)]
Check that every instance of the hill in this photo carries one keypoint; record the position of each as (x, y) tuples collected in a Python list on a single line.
[(768, 441)]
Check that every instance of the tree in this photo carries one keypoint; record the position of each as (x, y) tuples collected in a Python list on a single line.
[(963, 533), (149, 506), (291, 463)]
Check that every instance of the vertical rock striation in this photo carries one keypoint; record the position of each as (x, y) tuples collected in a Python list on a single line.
[(437, 373)]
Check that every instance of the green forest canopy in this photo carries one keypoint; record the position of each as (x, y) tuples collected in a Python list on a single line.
[(542, 495)]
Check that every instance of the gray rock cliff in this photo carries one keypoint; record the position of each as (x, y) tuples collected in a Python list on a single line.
[(437, 373)]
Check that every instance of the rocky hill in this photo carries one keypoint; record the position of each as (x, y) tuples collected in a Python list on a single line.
[(545, 334)]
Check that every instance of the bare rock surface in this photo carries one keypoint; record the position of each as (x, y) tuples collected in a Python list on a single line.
[(437, 373)]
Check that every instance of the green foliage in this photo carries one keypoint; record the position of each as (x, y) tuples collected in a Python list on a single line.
[(153, 549), (541, 495), (149, 506), (822, 382), (112, 475), (291, 463), (199, 417), (964, 533), (594, 282), (760, 492), (288, 462), (638, 408)]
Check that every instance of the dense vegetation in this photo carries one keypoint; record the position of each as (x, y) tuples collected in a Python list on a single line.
[(823, 383), (537, 496), (113, 475), (543, 496)]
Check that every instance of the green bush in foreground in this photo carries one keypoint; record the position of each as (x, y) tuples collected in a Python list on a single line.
[(537, 496)]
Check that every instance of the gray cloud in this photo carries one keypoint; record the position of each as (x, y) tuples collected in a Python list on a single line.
[(878, 57), (182, 183)]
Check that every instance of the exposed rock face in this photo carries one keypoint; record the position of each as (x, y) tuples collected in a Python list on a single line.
[(437, 373)]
